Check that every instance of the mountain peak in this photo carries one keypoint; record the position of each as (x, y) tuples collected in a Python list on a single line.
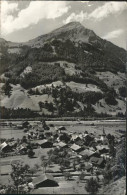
[(70, 26), (74, 24)]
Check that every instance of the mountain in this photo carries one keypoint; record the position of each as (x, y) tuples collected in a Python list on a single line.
[(72, 69)]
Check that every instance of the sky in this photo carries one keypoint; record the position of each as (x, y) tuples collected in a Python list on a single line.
[(25, 20)]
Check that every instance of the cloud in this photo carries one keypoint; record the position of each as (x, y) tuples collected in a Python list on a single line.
[(87, 3), (107, 9), (113, 34), (36, 11), (76, 17), (99, 13)]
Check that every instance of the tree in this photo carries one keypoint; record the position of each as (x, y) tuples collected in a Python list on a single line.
[(40, 105), (42, 157), (24, 139), (31, 153), (50, 152), (44, 163), (65, 162), (18, 174), (110, 99), (82, 166), (67, 175), (107, 176), (123, 91), (7, 89), (33, 170), (74, 165), (97, 175), (25, 124), (36, 166), (62, 168), (112, 150), (92, 186), (81, 176)]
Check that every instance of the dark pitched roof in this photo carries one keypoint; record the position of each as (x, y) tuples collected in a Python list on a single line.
[(62, 128), (42, 178), (96, 160)]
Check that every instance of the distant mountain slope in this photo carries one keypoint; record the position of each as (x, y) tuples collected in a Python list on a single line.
[(70, 54)]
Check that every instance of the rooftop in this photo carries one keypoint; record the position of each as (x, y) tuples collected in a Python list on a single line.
[(75, 147), (42, 178)]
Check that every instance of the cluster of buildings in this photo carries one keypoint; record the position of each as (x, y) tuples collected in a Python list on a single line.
[(88, 147)]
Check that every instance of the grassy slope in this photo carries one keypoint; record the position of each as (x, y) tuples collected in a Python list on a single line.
[(118, 187)]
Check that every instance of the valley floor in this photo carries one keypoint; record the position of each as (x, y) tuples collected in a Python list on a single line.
[(71, 186)]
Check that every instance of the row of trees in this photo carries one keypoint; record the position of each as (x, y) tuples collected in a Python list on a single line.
[(7, 113)]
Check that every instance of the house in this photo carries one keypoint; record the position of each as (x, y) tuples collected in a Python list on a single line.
[(22, 149), (79, 142), (60, 144), (87, 139), (5, 147), (45, 180), (19, 126), (88, 167), (86, 152), (61, 128), (103, 148), (74, 137), (99, 162), (46, 144), (93, 144), (106, 156), (76, 148), (41, 135), (12, 144), (48, 134), (64, 137)]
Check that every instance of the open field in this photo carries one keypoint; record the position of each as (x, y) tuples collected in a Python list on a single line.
[(71, 126)]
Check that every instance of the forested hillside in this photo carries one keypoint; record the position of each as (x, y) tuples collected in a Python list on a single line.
[(76, 58)]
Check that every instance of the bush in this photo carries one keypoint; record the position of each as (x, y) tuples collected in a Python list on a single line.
[(31, 153), (122, 91), (67, 175), (110, 99), (92, 186), (49, 171), (7, 89)]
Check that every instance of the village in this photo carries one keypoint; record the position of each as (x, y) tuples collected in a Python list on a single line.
[(57, 160)]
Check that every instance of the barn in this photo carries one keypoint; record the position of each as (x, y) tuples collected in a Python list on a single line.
[(45, 180)]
